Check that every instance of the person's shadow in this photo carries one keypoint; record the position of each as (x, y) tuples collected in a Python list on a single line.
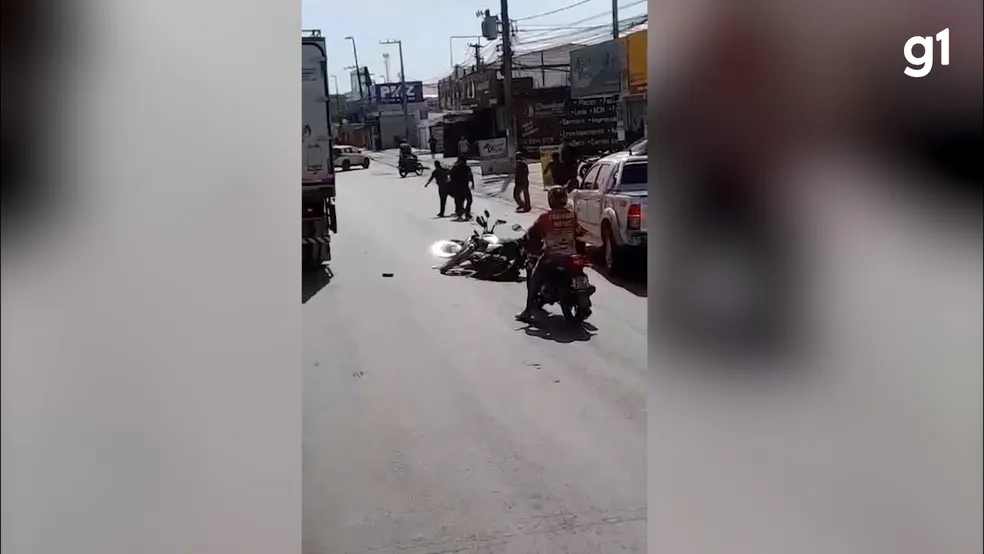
[(554, 327)]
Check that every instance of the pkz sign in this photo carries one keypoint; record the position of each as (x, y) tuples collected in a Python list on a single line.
[(392, 93)]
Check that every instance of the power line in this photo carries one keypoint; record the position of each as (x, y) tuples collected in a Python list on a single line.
[(573, 24), (551, 12)]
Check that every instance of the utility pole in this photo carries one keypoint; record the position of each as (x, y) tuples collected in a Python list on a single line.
[(403, 89), (386, 65), (615, 19), (478, 55), (507, 83), (451, 40)]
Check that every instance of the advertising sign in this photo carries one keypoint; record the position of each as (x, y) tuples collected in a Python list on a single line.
[(597, 69), (591, 124), (492, 156), (635, 46), (392, 93), (492, 148)]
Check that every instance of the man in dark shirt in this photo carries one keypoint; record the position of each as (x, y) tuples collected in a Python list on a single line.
[(462, 181), (432, 142), (557, 171), (568, 157), (521, 188), (440, 176)]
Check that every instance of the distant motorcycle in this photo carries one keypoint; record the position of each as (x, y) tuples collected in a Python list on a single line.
[(407, 166), (586, 162), (487, 255)]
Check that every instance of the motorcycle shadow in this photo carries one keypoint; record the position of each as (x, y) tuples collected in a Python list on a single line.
[(554, 327), (471, 273)]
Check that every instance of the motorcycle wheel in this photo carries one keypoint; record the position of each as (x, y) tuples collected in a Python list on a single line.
[(419, 170), (578, 312), (402, 172), (457, 259)]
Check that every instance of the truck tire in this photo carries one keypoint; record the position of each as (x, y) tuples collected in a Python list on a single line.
[(614, 255)]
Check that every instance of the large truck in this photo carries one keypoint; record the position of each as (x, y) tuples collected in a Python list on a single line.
[(317, 166)]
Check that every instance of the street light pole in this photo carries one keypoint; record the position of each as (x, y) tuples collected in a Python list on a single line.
[(358, 70), (338, 102), (403, 88)]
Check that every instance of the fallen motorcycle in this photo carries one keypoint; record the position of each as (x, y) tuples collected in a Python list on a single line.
[(488, 256)]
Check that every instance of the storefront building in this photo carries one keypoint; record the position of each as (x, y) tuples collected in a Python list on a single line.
[(635, 94)]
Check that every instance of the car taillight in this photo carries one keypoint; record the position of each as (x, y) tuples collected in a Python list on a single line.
[(634, 222), (579, 262)]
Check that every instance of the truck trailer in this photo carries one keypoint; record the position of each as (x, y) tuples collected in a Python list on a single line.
[(317, 166)]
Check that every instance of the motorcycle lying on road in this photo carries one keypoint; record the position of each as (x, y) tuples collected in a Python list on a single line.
[(497, 259), (405, 167), (487, 255)]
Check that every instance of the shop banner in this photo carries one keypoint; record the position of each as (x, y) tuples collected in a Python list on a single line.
[(597, 69), (635, 52)]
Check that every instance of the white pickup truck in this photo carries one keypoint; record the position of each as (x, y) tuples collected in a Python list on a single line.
[(610, 203)]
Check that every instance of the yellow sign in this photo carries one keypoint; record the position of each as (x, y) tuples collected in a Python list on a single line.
[(546, 153), (635, 53)]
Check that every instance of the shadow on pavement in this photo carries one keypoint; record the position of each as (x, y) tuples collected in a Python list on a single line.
[(312, 281), (633, 278), (554, 327)]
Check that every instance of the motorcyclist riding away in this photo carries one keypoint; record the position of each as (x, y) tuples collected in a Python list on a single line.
[(407, 155), (554, 232)]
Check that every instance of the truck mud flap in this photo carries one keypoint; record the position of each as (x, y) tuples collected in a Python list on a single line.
[(332, 217), (315, 250)]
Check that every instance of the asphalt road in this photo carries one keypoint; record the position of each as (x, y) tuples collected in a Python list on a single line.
[(434, 423)]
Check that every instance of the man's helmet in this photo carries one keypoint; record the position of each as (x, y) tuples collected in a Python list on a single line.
[(557, 198)]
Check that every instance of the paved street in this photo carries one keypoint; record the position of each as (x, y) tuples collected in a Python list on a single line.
[(435, 423), (492, 187)]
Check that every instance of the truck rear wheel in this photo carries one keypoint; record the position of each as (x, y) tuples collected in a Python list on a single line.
[(614, 255)]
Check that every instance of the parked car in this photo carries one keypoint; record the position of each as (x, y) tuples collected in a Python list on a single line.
[(347, 157), (611, 203)]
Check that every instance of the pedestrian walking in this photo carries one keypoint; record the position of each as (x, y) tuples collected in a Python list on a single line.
[(432, 142), (440, 176), (462, 181), (463, 147), (521, 188)]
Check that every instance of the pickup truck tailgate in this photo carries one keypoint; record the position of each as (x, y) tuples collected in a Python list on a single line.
[(642, 199)]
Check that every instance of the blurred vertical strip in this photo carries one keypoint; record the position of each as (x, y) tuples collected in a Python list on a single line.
[(798, 173)]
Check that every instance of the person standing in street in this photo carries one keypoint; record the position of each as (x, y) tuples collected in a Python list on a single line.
[(568, 157), (463, 147), (521, 187), (432, 142), (440, 176), (462, 181)]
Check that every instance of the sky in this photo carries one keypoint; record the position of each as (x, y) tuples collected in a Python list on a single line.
[(426, 29)]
